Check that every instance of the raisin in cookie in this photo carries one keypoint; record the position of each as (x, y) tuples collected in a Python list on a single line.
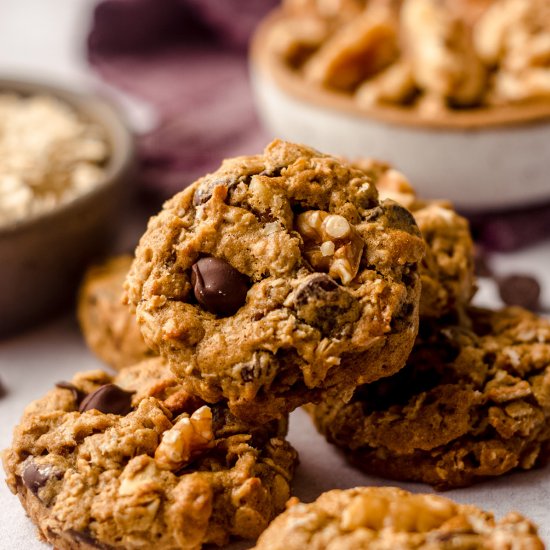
[(384, 518), (473, 402), (108, 326), (135, 461), (447, 270), (278, 278)]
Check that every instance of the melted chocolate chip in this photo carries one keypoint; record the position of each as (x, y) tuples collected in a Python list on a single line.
[(520, 290), (400, 218), (35, 476), (3, 390), (323, 304), (218, 286), (108, 399), (78, 395)]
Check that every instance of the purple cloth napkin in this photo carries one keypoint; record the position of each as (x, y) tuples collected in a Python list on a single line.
[(188, 59), (510, 230)]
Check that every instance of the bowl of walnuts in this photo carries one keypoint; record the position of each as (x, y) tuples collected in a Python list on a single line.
[(456, 94)]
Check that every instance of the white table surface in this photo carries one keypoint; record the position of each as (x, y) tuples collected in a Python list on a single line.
[(31, 363)]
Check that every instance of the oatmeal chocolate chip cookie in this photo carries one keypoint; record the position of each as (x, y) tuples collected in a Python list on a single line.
[(382, 518), (276, 279), (108, 326), (473, 402), (447, 270), (134, 461)]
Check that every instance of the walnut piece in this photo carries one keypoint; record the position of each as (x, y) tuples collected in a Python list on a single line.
[(331, 243), (427, 55), (189, 437), (413, 514)]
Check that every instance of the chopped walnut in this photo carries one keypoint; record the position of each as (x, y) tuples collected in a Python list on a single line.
[(430, 55), (359, 50), (444, 61), (395, 84), (331, 243), (414, 513), (189, 437), (513, 36)]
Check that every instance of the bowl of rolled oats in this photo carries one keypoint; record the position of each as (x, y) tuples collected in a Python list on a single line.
[(456, 93), (65, 161)]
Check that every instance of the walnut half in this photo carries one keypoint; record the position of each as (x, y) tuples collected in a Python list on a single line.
[(189, 437)]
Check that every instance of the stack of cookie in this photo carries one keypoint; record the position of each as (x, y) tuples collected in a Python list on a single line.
[(285, 279)]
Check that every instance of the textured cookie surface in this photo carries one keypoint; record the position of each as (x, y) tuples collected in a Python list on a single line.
[(384, 518), (278, 278), (472, 402), (447, 270), (144, 465), (108, 326)]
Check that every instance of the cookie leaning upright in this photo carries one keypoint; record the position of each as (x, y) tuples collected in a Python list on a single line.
[(277, 278)]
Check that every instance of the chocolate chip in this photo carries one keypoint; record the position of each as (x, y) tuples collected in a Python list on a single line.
[(520, 290), (218, 286), (220, 415), (260, 368), (35, 476), (3, 391), (78, 395), (204, 193), (400, 218), (315, 287), (87, 538), (108, 399), (272, 172), (323, 304)]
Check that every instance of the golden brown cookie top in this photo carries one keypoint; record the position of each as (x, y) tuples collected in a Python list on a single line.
[(379, 518), (135, 461), (275, 274)]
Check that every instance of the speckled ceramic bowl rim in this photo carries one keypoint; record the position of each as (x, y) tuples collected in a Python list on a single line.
[(271, 64), (122, 149)]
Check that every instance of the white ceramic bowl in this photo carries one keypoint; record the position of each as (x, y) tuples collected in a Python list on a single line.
[(483, 159)]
